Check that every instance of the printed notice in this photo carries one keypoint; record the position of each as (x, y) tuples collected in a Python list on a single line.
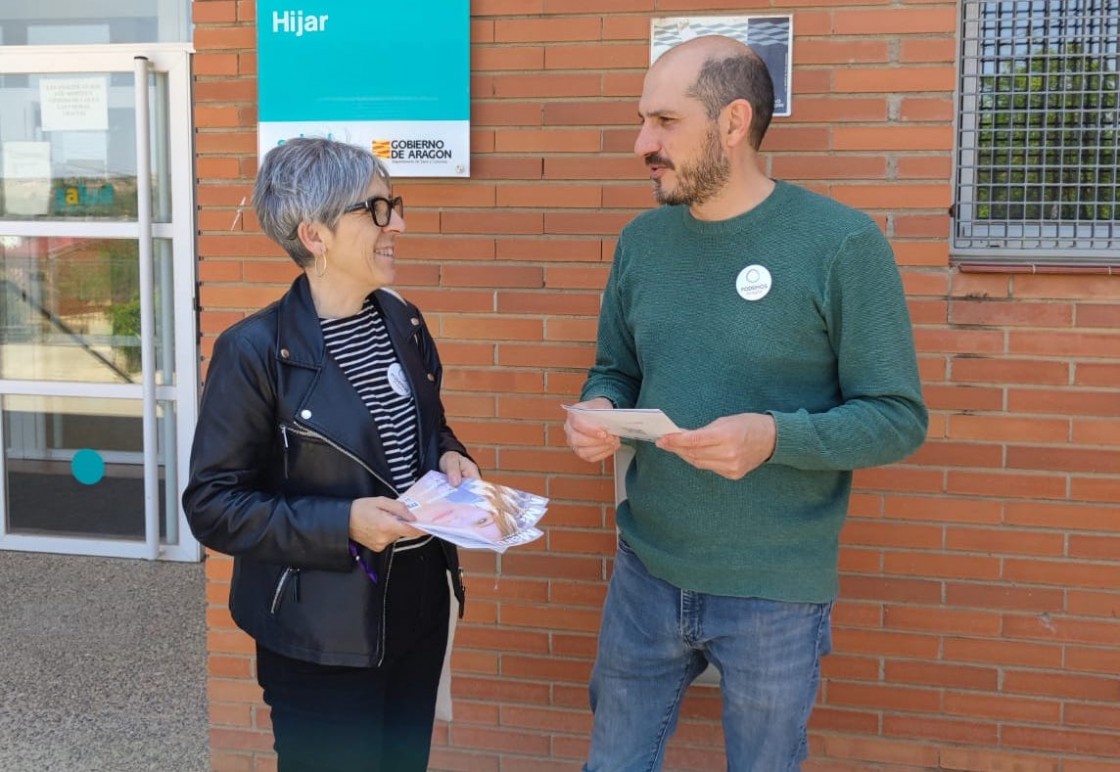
[(637, 424), (74, 104), (27, 177)]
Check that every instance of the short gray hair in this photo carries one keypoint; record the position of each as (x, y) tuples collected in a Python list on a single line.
[(309, 179), (724, 79)]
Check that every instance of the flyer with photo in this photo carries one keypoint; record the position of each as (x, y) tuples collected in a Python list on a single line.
[(476, 514)]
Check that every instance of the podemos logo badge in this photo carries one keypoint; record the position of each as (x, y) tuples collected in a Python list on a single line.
[(753, 282)]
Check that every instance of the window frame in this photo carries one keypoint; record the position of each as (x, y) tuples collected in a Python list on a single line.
[(1038, 240)]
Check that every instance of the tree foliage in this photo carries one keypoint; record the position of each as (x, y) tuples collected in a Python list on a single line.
[(1047, 138)]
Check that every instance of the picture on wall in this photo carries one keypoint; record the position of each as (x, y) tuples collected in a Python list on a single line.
[(771, 37)]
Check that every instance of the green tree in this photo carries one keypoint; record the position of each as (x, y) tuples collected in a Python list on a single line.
[(1047, 142)]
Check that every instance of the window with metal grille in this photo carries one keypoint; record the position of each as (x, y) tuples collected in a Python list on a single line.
[(1038, 146)]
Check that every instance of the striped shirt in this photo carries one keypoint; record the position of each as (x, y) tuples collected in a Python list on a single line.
[(360, 345)]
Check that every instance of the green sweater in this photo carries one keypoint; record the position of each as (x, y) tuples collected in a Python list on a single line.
[(827, 350)]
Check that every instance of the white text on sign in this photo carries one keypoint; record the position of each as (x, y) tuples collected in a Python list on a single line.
[(294, 22)]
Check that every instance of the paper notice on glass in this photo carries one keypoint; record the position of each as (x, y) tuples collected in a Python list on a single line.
[(27, 177), (74, 104), (476, 514), (634, 423)]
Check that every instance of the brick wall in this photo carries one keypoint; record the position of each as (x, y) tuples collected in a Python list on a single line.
[(980, 608)]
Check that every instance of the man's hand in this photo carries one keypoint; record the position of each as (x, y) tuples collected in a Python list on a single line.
[(457, 467), (588, 441), (730, 446)]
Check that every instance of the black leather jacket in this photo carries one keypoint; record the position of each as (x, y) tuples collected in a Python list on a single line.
[(283, 445)]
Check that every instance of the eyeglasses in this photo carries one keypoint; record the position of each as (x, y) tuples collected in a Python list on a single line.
[(380, 209)]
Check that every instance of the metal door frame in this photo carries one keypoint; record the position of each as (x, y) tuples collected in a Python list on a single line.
[(173, 60)]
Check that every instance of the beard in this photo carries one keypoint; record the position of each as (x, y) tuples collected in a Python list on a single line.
[(699, 181)]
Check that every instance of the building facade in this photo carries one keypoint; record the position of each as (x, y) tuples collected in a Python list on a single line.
[(979, 614)]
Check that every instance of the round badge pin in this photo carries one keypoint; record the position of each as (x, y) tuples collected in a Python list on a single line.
[(397, 382), (753, 282)]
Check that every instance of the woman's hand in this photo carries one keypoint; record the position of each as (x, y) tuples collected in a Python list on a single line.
[(376, 522), (457, 467)]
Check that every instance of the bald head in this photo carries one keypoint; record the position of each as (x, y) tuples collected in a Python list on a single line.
[(699, 49), (721, 70)]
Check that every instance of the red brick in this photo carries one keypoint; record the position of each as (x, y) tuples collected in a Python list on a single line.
[(490, 58), (1000, 707), (898, 20), (973, 732), (824, 51), (597, 57), (546, 30), (891, 80)]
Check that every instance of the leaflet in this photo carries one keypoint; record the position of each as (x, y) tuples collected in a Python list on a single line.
[(635, 423), (476, 514)]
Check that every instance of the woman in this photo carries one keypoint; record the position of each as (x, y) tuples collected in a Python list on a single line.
[(317, 412)]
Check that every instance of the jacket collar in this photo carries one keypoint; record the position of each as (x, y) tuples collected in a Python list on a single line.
[(323, 400), (299, 338), (299, 334)]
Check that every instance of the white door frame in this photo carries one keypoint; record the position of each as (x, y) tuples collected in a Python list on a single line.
[(172, 59)]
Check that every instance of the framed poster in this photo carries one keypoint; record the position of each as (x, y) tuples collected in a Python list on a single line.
[(771, 37), (393, 77)]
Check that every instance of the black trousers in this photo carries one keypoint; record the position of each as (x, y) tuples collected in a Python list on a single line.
[(345, 719)]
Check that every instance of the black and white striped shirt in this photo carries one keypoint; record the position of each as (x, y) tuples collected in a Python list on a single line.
[(360, 345)]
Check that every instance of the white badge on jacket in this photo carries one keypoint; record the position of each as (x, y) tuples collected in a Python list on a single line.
[(397, 382), (753, 282)]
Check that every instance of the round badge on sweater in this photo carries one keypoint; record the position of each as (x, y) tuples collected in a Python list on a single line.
[(397, 382), (753, 282)]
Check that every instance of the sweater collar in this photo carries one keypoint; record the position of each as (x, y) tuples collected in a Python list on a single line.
[(716, 228)]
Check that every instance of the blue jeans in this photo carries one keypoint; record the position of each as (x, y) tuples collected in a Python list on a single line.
[(656, 638)]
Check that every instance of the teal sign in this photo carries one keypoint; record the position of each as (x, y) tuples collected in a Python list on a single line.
[(393, 77)]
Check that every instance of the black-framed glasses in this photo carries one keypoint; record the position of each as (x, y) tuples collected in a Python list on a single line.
[(380, 209)]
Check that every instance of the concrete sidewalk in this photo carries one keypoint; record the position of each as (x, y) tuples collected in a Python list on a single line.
[(102, 665)]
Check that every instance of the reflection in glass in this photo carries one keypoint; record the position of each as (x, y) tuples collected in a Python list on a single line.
[(68, 147), (74, 467), (70, 310), (69, 22)]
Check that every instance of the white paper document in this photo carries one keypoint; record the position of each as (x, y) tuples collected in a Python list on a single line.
[(634, 423), (27, 177), (74, 104)]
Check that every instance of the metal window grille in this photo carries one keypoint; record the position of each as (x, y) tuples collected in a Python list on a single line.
[(1038, 146)]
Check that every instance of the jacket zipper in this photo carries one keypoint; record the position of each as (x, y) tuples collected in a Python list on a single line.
[(281, 583), (385, 608), (303, 431)]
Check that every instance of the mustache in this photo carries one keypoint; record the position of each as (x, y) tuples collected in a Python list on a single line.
[(653, 159)]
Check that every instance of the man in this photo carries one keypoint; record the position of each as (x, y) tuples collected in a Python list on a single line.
[(771, 324)]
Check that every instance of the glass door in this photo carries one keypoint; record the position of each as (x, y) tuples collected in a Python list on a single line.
[(98, 373)]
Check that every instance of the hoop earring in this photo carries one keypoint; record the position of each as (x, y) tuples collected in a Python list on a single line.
[(321, 272)]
